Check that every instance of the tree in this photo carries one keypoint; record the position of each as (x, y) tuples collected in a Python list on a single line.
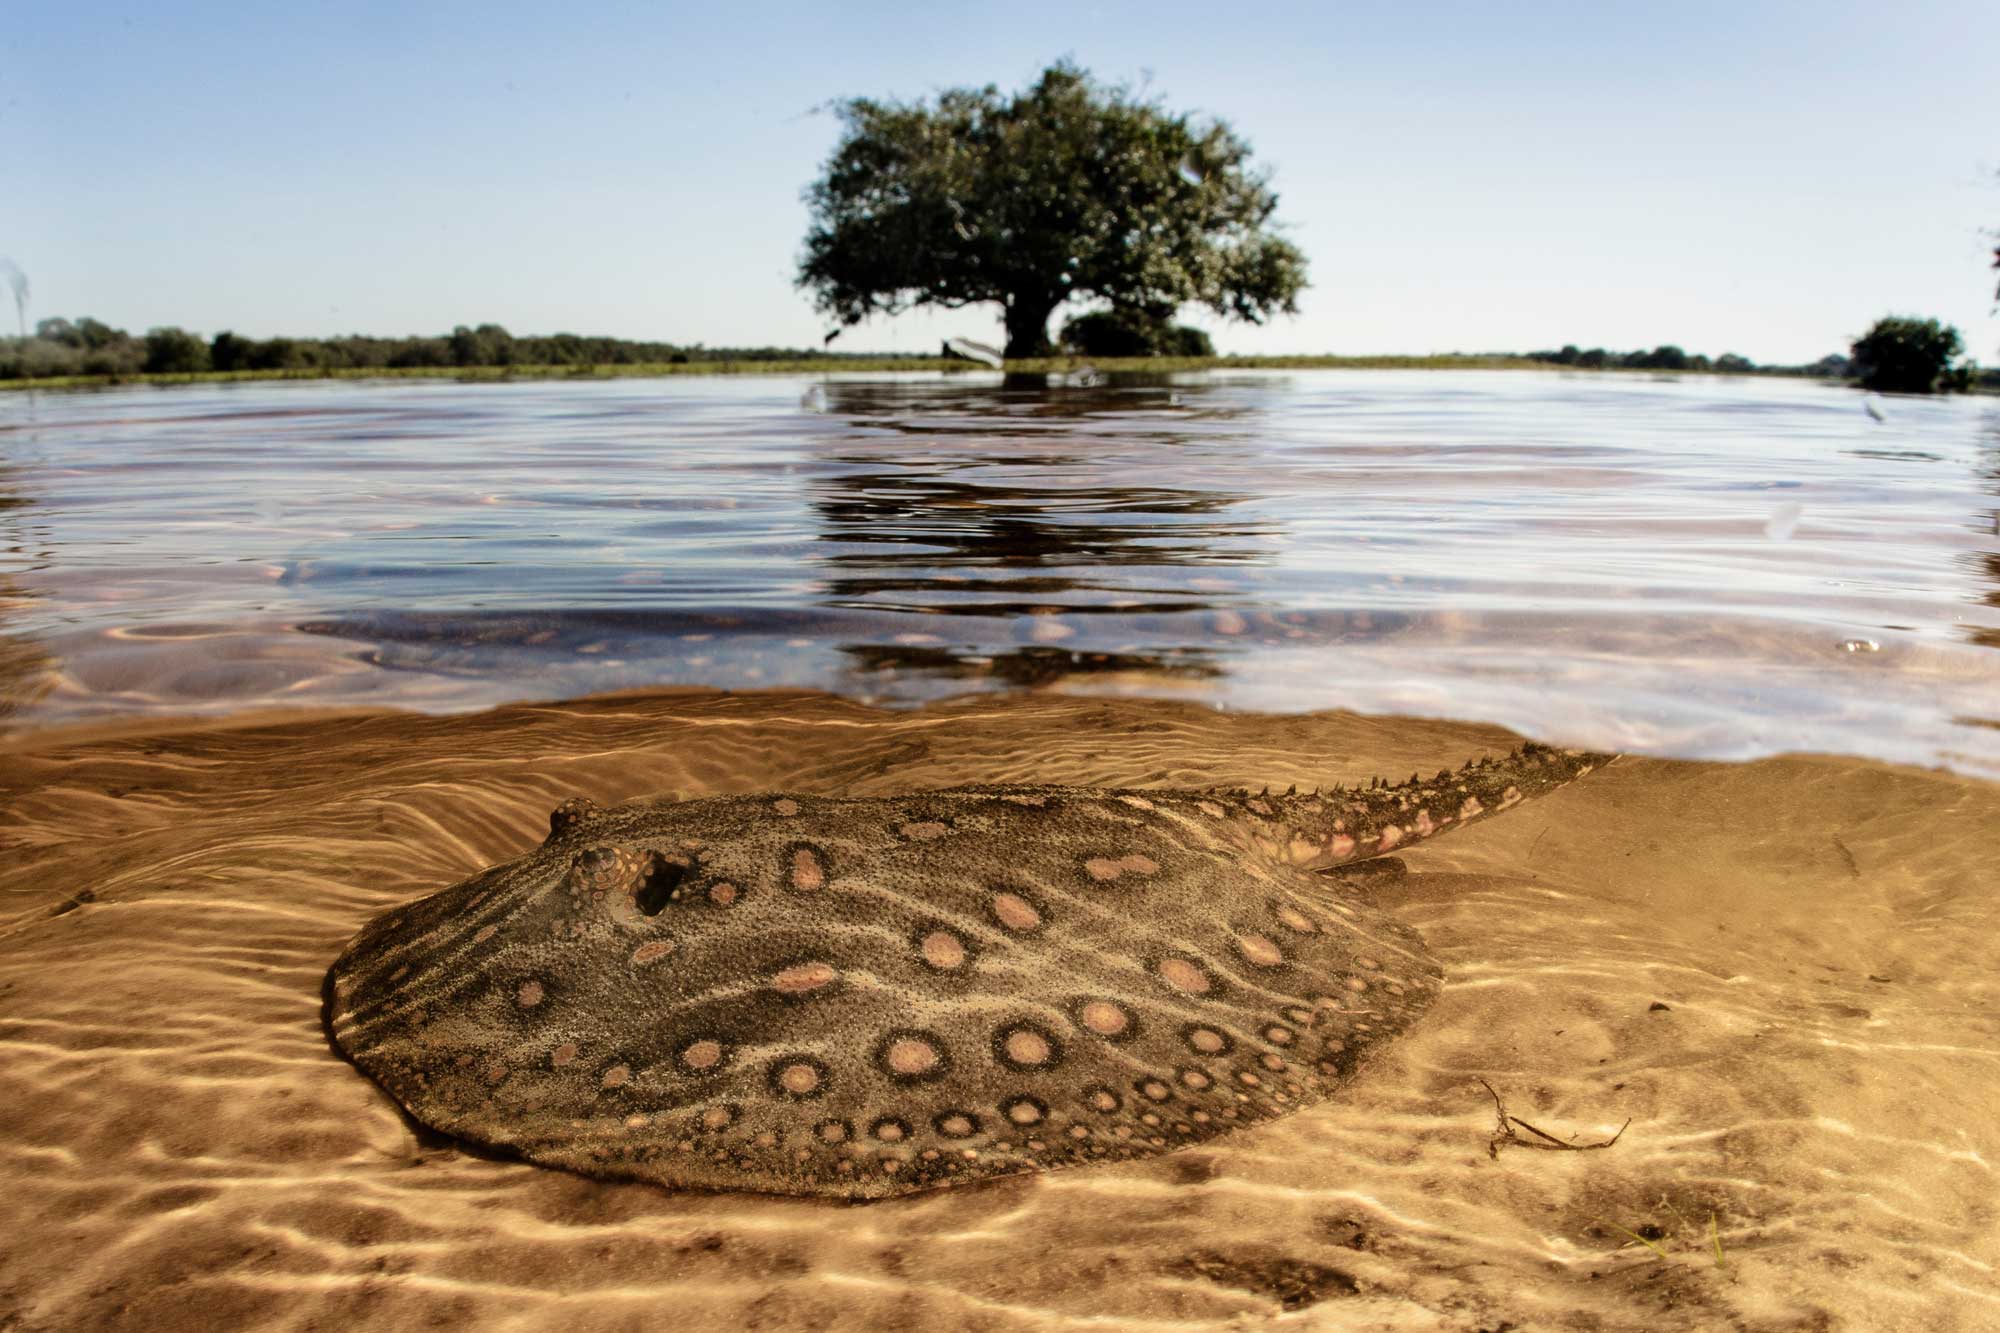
[(173, 351), (1902, 354), (1070, 189), (487, 345), (1667, 357), (228, 351), (86, 334)]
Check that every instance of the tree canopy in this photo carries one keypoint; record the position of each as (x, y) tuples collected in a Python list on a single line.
[(1069, 190), (1901, 354)]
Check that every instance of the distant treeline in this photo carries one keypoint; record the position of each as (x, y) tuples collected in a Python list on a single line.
[(90, 347), (1669, 357)]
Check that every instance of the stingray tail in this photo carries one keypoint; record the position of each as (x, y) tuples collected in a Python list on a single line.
[(1344, 824)]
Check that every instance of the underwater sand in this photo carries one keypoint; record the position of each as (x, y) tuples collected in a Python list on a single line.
[(1782, 973)]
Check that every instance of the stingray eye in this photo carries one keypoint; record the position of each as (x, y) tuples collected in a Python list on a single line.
[(657, 881)]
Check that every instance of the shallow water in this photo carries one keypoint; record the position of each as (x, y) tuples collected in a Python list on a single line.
[(1776, 976), (1699, 567), (1779, 973)]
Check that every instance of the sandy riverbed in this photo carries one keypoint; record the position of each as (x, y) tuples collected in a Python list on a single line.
[(1781, 973)]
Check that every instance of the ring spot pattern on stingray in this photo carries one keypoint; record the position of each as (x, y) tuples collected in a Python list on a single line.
[(1106, 1018), (1026, 1046), (1104, 869), (1015, 913), (1259, 950), (1025, 1110), (1204, 1040), (798, 1077), (1184, 976), (1093, 942), (1291, 918), (804, 978), (942, 950), (913, 1056), (703, 1055), (808, 868), (956, 1124)]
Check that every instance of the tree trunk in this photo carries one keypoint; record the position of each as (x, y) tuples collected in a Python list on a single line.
[(1028, 326)]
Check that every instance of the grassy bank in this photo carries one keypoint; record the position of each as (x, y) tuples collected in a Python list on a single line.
[(803, 366)]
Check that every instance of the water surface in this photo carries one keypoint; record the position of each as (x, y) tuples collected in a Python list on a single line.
[(1692, 566)]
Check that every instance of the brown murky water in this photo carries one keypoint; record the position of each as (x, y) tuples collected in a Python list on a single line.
[(1778, 972)]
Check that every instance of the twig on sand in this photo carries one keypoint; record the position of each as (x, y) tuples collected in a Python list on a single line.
[(1505, 1126)]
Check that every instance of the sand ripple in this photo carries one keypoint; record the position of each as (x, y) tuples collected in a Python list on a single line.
[(1780, 973)]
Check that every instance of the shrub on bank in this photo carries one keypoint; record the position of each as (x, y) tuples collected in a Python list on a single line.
[(1903, 354), (1129, 332)]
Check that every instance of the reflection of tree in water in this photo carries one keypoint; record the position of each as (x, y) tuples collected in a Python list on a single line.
[(990, 502), (929, 407), (940, 541), (1029, 666), (990, 516)]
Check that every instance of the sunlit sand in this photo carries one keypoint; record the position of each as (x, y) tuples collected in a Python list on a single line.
[(1779, 973)]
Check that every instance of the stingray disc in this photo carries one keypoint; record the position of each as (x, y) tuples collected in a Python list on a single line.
[(858, 998)]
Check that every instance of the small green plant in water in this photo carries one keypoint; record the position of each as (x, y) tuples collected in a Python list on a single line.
[(1660, 1234)]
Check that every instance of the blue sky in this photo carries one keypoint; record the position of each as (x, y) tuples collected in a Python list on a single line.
[(1759, 178)]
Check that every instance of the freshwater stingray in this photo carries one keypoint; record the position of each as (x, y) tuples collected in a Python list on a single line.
[(866, 997)]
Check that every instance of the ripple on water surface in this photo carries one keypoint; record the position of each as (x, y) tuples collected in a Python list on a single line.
[(1697, 566)]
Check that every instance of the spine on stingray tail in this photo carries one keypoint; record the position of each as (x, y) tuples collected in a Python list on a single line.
[(1341, 824)]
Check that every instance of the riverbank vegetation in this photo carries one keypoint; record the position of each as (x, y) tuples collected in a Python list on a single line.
[(64, 348), (1672, 358), (1903, 354), (86, 353), (1898, 354), (795, 363)]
